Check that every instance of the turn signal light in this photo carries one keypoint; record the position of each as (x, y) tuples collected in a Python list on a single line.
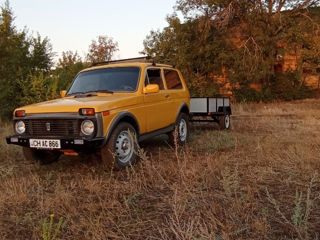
[(106, 113), (20, 113), (87, 111)]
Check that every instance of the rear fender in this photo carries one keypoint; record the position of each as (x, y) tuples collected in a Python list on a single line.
[(183, 108)]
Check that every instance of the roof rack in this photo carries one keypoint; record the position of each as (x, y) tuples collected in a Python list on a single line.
[(144, 59), (138, 59)]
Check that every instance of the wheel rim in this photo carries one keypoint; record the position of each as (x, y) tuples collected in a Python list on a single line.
[(124, 146), (183, 130), (227, 121)]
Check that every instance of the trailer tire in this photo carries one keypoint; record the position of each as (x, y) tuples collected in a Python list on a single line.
[(180, 134), (224, 122)]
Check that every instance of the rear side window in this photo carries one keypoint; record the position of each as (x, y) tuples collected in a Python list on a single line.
[(172, 79), (153, 76)]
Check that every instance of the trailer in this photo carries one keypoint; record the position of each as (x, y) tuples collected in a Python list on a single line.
[(211, 109)]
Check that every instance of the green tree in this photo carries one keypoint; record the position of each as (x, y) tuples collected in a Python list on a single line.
[(196, 53), (68, 66), (41, 87), (41, 55), (246, 37), (14, 61), (102, 50), (21, 57)]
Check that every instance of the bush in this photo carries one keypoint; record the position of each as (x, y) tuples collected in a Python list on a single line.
[(288, 86), (247, 94)]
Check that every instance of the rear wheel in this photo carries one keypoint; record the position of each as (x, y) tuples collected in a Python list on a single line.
[(41, 156), (122, 146), (224, 121), (180, 134)]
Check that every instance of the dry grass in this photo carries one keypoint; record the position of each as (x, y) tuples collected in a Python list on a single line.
[(258, 181)]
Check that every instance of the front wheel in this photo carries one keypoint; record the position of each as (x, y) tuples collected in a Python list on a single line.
[(180, 134), (122, 146), (41, 156)]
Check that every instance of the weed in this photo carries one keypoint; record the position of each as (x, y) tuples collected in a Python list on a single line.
[(230, 181), (48, 232)]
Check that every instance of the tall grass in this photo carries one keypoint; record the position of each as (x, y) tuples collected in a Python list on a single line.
[(257, 181)]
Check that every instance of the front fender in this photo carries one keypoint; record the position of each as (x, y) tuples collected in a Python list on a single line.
[(122, 116)]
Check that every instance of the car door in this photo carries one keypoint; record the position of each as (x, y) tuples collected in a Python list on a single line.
[(156, 104), (175, 92)]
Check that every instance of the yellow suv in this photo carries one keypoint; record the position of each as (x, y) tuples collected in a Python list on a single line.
[(108, 109)]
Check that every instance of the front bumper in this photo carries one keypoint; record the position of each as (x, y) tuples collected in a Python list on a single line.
[(78, 145)]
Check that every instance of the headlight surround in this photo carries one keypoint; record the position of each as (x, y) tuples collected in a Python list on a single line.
[(87, 127), (20, 127)]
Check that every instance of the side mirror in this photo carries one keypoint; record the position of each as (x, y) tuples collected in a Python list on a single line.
[(63, 93), (151, 88)]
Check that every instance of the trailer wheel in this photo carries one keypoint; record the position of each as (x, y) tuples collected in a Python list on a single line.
[(224, 121), (180, 134), (41, 156)]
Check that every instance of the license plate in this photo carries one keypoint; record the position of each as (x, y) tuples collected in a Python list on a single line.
[(45, 143)]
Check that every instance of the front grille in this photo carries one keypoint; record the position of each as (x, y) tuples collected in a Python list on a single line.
[(53, 127)]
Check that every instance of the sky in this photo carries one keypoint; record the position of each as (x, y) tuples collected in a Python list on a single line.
[(73, 24)]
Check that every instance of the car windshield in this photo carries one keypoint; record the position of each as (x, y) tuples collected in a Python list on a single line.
[(120, 79)]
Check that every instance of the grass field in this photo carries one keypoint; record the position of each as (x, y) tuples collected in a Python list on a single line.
[(260, 180)]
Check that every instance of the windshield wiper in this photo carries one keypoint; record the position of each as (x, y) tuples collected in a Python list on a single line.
[(103, 91), (75, 93), (90, 93)]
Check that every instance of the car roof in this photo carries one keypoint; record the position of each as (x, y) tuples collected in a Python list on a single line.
[(125, 64)]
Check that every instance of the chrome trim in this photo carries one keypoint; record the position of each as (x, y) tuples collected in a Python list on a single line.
[(51, 116)]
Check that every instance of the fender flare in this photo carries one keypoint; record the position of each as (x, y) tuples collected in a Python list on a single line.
[(183, 105), (116, 121)]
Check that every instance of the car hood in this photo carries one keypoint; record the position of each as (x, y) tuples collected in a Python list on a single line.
[(73, 104)]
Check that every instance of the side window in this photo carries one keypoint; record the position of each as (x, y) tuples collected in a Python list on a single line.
[(172, 79), (153, 76)]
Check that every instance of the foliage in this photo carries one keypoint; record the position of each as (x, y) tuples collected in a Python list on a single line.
[(68, 67), (247, 38), (27, 71), (102, 50), (48, 233), (247, 95), (20, 57), (288, 86), (195, 52), (41, 87)]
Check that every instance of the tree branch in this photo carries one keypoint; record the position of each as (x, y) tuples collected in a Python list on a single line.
[(280, 6)]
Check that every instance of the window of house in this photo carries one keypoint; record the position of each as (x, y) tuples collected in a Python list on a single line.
[(172, 79)]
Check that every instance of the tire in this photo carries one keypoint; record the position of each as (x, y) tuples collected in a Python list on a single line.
[(122, 147), (180, 134), (224, 122), (41, 156)]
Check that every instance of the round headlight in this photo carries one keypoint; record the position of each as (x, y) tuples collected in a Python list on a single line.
[(20, 127), (87, 127)]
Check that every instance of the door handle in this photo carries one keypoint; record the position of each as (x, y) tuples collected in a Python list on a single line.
[(166, 95)]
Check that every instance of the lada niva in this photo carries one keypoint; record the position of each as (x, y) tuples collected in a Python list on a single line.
[(108, 109)]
